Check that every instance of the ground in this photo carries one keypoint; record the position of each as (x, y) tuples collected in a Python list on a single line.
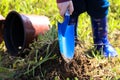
[(81, 67)]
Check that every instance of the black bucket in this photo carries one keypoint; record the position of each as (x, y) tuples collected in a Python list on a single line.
[(2, 19), (20, 31)]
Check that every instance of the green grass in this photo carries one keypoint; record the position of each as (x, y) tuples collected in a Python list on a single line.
[(49, 8)]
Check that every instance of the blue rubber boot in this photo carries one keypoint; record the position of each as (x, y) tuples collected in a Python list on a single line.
[(74, 21), (99, 27)]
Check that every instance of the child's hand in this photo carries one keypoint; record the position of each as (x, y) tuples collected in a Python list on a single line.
[(64, 6)]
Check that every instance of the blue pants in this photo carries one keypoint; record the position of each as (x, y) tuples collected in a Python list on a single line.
[(95, 8)]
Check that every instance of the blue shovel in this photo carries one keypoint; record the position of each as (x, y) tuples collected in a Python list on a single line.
[(66, 38)]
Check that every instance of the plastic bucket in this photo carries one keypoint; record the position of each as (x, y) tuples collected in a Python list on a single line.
[(20, 30)]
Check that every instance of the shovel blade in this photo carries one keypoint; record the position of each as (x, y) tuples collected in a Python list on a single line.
[(66, 40)]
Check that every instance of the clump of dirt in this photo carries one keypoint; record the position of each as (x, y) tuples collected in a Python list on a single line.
[(77, 67)]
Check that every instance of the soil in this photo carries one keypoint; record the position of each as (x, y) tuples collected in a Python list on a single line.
[(77, 67)]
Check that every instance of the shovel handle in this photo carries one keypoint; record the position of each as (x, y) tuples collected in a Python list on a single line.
[(67, 13)]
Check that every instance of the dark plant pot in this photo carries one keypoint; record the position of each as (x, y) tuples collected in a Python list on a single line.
[(2, 19), (20, 30)]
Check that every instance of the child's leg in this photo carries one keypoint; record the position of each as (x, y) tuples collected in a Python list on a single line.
[(74, 21), (98, 10), (100, 37), (79, 7)]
